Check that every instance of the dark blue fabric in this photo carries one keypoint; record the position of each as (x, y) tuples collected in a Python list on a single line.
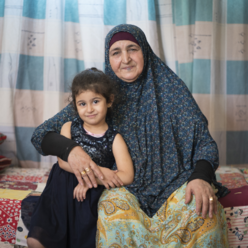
[(58, 220), (162, 125), (27, 209)]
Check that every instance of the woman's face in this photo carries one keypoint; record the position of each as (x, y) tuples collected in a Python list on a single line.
[(126, 60)]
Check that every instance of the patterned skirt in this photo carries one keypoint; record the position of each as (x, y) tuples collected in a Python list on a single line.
[(121, 223)]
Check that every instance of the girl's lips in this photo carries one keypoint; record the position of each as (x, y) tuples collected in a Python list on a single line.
[(91, 116)]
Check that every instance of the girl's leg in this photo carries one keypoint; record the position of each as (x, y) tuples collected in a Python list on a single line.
[(34, 243)]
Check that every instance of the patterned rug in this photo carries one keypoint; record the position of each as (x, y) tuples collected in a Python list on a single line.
[(18, 183)]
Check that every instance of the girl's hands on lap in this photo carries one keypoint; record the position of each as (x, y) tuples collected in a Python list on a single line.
[(80, 192), (203, 192), (110, 178)]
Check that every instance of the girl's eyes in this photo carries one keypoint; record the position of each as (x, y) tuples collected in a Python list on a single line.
[(83, 104)]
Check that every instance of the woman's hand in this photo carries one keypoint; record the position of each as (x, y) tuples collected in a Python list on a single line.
[(80, 192), (203, 193), (110, 178), (83, 166)]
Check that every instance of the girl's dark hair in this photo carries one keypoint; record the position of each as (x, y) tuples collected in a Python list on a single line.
[(94, 80)]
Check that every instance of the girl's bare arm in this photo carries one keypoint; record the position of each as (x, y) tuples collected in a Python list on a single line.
[(123, 160)]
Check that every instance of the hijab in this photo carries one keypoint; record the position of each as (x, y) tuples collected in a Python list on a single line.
[(164, 129), (122, 36)]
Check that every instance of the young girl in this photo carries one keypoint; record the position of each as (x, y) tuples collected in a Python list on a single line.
[(66, 213)]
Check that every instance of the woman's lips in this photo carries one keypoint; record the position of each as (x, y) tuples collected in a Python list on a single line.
[(129, 68)]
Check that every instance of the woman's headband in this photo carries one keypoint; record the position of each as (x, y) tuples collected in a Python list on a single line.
[(122, 36)]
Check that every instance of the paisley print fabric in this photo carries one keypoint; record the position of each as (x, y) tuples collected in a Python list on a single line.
[(122, 223), (167, 133)]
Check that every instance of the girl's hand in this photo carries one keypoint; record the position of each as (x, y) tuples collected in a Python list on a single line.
[(110, 178), (80, 192)]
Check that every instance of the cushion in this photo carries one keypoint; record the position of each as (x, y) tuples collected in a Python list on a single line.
[(236, 198), (4, 162)]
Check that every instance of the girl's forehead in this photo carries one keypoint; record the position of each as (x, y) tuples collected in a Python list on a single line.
[(88, 95), (87, 92)]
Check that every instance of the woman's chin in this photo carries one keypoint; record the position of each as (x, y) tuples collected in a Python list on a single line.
[(129, 78)]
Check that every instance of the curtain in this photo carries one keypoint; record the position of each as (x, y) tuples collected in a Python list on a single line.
[(212, 58), (44, 44)]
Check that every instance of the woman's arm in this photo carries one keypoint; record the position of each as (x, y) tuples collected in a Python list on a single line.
[(123, 160), (66, 132), (53, 125), (204, 171), (205, 159), (204, 148), (57, 145)]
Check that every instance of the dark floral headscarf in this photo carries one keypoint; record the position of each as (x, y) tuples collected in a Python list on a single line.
[(162, 125)]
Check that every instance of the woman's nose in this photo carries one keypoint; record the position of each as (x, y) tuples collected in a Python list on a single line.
[(125, 57)]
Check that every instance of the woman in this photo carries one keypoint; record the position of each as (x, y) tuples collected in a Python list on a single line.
[(170, 145)]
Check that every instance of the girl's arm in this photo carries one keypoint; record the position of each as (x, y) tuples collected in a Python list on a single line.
[(110, 178), (125, 173), (123, 160)]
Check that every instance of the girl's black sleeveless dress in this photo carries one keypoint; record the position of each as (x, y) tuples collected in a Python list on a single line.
[(59, 221)]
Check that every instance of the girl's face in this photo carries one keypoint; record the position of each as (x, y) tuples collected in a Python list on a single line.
[(126, 60), (92, 108)]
